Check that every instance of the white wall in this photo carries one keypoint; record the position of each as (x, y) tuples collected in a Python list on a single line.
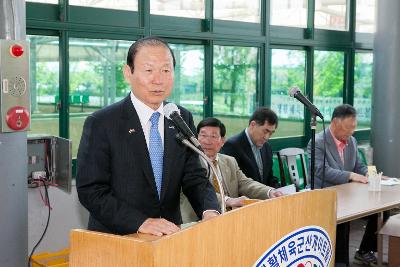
[(66, 214)]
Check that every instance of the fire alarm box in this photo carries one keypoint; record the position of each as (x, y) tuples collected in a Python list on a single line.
[(50, 159), (14, 85)]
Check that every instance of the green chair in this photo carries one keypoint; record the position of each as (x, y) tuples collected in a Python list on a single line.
[(294, 167), (276, 169), (362, 156)]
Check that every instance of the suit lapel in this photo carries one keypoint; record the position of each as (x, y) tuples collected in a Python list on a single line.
[(333, 149), (248, 151), (225, 175), (169, 144), (133, 131), (263, 152)]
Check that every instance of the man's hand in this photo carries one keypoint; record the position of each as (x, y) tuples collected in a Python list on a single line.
[(235, 202), (208, 214), (355, 177), (273, 194), (158, 227), (276, 194)]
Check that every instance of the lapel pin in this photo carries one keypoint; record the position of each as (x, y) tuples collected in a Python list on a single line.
[(131, 131), (171, 127)]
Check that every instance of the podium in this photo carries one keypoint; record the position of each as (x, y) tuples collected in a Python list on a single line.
[(295, 230)]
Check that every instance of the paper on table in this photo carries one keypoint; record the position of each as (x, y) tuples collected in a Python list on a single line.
[(287, 190), (390, 181)]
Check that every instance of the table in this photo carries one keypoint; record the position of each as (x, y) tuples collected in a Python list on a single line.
[(354, 201)]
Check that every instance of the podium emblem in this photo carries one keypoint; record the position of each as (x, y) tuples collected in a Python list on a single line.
[(308, 246)]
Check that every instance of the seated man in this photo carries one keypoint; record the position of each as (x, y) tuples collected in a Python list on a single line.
[(237, 186), (344, 165), (251, 149)]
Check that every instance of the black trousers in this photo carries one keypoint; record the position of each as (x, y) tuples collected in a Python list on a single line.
[(370, 237), (368, 243), (342, 243)]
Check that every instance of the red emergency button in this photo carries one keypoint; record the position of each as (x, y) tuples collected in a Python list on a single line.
[(16, 50), (17, 118)]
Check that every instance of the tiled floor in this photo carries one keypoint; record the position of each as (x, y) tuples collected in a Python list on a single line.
[(356, 233)]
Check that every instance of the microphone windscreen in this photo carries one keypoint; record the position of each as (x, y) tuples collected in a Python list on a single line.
[(293, 91), (169, 109)]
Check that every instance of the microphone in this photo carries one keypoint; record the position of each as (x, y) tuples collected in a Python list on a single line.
[(172, 112), (296, 93)]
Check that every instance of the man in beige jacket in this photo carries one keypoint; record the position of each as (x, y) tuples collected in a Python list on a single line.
[(237, 187)]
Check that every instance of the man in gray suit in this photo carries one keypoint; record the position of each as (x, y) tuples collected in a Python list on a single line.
[(344, 165), (237, 186)]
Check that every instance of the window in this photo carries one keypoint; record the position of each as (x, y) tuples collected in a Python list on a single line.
[(130, 5), (235, 85), (178, 8), (237, 34), (288, 13), (328, 81), (287, 70), (365, 16), (44, 1), (363, 88), (237, 10), (331, 15), (44, 84), (95, 79), (189, 79)]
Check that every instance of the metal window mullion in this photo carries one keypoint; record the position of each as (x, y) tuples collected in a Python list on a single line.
[(64, 84), (208, 79), (309, 90)]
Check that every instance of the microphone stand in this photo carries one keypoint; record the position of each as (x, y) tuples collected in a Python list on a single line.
[(313, 125), (187, 143)]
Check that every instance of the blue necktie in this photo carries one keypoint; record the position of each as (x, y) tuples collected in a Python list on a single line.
[(156, 151)]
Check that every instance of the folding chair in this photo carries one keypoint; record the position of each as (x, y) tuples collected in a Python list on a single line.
[(291, 160)]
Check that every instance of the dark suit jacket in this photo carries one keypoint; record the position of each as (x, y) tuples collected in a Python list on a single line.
[(238, 146), (115, 180)]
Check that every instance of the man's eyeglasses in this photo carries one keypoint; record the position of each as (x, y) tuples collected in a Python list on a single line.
[(211, 137)]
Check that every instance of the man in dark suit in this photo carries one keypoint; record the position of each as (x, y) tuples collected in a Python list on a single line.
[(131, 168), (251, 150)]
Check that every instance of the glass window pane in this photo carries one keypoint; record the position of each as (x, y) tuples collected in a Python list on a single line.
[(235, 85), (288, 13), (238, 10), (287, 70), (130, 5), (363, 71), (365, 16), (331, 15), (44, 1), (178, 8), (189, 79), (328, 81), (95, 79), (44, 84)]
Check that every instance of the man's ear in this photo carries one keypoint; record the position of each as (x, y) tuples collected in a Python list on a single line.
[(223, 140), (127, 72)]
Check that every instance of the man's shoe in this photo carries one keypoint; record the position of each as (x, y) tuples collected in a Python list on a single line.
[(365, 258)]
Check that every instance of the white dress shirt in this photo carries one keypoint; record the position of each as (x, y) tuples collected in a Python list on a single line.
[(144, 112)]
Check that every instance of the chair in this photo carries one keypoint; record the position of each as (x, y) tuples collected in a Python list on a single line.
[(291, 160), (277, 169), (362, 156)]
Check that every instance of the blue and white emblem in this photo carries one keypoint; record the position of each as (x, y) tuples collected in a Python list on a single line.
[(309, 246)]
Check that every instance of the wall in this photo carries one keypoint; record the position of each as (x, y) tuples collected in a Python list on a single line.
[(66, 214)]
